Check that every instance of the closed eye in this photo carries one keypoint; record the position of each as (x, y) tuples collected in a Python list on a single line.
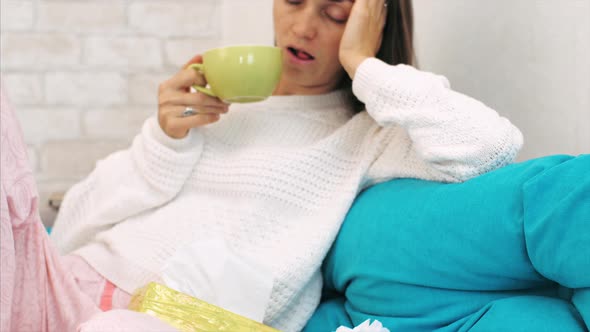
[(337, 13)]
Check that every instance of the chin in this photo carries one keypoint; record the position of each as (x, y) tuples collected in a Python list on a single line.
[(307, 81)]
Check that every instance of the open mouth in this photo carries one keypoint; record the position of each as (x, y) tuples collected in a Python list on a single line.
[(300, 54)]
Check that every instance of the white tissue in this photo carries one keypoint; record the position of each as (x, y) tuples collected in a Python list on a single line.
[(210, 271), (365, 326)]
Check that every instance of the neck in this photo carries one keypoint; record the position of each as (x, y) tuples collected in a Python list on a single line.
[(288, 86)]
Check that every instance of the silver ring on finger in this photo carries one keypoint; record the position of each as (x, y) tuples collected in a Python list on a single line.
[(385, 4), (189, 111)]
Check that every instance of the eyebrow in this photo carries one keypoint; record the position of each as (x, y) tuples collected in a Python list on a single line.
[(338, 1)]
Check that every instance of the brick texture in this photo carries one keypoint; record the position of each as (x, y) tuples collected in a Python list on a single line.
[(82, 16), (73, 159), (38, 51), (123, 52), (46, 124), (24, 88), (176, 18), (86, 89), (117, 124), (16, 15)]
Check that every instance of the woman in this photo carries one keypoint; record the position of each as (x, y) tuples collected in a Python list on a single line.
[(274, 180)]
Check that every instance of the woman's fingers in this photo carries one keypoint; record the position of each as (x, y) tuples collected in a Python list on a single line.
[(174, 98), (187, 99), (178, 127), (180, 111), (184, 79), (192, 121), (173, 105), (172, 116)]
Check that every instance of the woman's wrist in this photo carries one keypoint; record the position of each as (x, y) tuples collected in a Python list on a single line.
[(352, 63), (160, 136)]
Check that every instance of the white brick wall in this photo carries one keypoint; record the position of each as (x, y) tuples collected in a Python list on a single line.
[(25, 88), (83, 75), (39, 50), (86, 88), (176, 18), (85, 16), (73, 159), (123, 52), (41, 124), (16, 15)]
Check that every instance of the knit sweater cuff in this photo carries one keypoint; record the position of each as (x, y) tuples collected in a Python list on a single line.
[(173, 143), (166, 162), (364, 78)]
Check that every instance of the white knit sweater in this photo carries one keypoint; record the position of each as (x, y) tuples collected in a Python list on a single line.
[(276, 179)]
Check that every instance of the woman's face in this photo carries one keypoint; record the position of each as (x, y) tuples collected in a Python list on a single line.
[(309, 32)]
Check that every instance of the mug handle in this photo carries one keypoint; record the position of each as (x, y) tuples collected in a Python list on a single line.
[(199, 67)]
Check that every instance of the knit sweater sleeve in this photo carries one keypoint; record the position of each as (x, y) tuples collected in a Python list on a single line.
[(448, 135), (126, 183)]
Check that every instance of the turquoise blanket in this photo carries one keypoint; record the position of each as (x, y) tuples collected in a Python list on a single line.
[(506, 251)]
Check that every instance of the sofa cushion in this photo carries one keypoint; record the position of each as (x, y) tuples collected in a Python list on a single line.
[(425, 256)]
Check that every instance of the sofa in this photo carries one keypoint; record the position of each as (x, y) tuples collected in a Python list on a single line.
[(505, 251)]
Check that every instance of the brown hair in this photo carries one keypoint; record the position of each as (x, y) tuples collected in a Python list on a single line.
[(397, 46)]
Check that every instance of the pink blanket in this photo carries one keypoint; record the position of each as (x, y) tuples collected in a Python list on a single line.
[(38, 293)]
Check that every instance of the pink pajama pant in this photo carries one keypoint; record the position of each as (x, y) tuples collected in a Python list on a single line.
[(40, 290), (102, 292)]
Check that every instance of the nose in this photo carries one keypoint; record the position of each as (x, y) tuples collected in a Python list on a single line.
[(305, 26)]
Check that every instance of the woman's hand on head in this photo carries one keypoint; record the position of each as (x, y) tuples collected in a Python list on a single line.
[(174, 97), (363, 33)]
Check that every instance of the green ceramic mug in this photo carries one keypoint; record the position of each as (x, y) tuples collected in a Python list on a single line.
[(241, 74)]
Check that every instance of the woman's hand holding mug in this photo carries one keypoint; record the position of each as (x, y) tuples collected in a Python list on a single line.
[(175, 98)]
